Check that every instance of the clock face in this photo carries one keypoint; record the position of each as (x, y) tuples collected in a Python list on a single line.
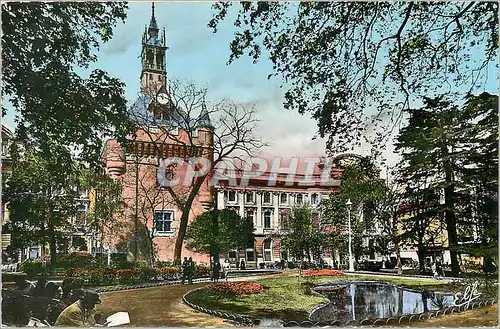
[(162, 98)]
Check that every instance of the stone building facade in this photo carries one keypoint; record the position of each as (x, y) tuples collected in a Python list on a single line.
[(268, 205)]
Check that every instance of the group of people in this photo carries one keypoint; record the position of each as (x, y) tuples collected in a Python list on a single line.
[(187, 270), (67, 305)]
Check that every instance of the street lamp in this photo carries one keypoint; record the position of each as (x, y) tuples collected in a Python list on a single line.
[(351, 260)]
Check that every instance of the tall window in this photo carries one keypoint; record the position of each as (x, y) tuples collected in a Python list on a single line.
[(250, 215), (300, 199), (249, 197), (268, 252), (314, 198), (163, 221), (267, 197), (267, 219), (283, 198), (250, 255), (231, 196)]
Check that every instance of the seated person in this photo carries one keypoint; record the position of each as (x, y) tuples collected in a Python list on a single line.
[(39, 290), (24, 286), (81, 313), (15, 313), (56, 306)]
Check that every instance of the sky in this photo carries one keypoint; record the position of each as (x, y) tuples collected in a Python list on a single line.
[(197, 55)]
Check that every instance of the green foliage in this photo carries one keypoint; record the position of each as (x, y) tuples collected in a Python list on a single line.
[(360, 184), (340, 59), (33, 267), (108, 199), (455, 150), (76, 259), (301, 238), (230, 231), (41, 201), (43, 46)]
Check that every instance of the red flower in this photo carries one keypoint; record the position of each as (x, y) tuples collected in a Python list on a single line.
[(322, 273), (236, 288)]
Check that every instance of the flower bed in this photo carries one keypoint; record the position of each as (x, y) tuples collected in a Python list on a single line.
[(109, 276), (322, 273), (236, 288)]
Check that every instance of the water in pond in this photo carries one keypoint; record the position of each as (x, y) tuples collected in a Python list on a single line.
[(371, 300)]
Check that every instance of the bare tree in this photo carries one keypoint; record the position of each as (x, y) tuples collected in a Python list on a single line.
[(175, 121)]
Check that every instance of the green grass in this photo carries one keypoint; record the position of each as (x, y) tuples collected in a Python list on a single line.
[(290, 298)]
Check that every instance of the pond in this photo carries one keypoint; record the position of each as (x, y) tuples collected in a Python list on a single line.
[(371, 300)]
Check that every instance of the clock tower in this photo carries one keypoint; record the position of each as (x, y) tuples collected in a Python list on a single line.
[(153, 57)]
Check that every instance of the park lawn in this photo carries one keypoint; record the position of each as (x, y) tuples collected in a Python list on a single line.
[(290, 298)]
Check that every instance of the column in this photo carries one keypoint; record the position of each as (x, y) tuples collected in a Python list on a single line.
[(276, 215), (240, 196)]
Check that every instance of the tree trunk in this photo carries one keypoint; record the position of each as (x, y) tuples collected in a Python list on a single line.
[(451, 225), (180, 236), (186, 209), (52, 243), (421, 259), (399, 265)]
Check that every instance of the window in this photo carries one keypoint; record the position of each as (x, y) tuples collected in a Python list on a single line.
[(231, 196), (268, 252), (250, 216), (232, 254), (314, 198), (283, 198), (300, 199), (159, 78), (163, 221), (250, 255), (267, 197), (267, 219), (249, 197)]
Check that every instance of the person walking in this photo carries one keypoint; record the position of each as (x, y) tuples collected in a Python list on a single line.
[(216, 272), (184, 269), (190, 270)]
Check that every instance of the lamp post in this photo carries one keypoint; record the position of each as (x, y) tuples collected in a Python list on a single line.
[(351, 260)]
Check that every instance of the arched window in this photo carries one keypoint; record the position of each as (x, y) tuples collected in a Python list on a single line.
[(268, 251), (283, 198), (314, 198)]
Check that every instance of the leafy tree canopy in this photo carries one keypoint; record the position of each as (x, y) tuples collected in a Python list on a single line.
[(42, 45), (229, 232), (40, 200), (301, 238), (353, 65)]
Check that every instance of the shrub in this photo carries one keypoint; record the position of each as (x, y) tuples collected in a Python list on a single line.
[(128, 276), (201, 271), (76, 272), (33, 267), (168, 273), (166, 263), (119, 261), (75, 259), (236, 288)]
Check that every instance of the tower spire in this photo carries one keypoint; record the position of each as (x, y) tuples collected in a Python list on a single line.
[(153, 26)]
